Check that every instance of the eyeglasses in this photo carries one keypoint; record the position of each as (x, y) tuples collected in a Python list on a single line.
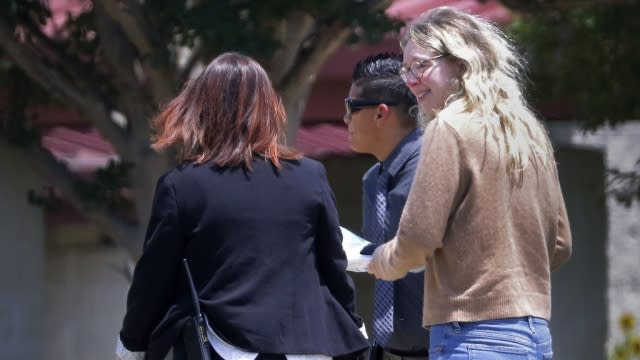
[(417, 68), (354, 105)]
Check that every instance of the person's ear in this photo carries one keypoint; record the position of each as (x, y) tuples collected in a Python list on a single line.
[(382, 111)]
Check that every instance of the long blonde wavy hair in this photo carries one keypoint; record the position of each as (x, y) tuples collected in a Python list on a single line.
[(489, 86)]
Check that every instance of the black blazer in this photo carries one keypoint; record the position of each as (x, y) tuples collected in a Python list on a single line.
[(265, 252)]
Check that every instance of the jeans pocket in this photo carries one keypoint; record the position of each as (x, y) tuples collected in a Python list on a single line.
[(492, 352)]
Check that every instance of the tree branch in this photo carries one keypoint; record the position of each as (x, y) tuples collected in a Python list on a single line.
[(303, 74), (308, 65), (71, 66), (118, 52), (134, 98), (193, 58), (57, 175), (291, 34), (132, 22), (50, 79), (162, 87), (82, 78)]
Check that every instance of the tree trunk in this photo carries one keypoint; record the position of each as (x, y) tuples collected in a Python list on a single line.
[(295, 106)]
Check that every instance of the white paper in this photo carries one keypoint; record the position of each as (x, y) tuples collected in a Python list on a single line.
[(352, 244), (122, 353), (363, 331)]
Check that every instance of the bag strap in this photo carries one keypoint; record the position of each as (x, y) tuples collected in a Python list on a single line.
[(192, 288), (199, 323)]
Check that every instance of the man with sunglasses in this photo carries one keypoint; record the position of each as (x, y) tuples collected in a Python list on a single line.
[(381, 115)]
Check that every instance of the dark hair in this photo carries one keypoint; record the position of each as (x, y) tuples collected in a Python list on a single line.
[(225, 116), (378, 77)]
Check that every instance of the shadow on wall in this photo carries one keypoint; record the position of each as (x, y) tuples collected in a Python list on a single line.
[(579, 319), (345, 177), (21, 261)]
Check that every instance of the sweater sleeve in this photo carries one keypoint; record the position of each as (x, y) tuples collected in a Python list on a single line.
[(436, 190), (563, 246)]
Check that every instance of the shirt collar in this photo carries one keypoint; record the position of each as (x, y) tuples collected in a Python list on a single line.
[(401, 153)]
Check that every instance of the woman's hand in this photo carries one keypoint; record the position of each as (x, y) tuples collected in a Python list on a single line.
[(374, 268), (377, 266), (386, 267)]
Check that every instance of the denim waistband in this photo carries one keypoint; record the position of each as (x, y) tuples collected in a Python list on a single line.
[(514, 320), (534, 319), (527, 332), (528, 321)]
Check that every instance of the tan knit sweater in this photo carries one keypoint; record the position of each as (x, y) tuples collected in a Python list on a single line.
[(489, 247)]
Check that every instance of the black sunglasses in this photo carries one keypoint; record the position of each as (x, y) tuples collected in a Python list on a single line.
[(354, 105)]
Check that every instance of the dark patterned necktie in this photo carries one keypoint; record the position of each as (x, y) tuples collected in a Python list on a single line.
[(383, 302)]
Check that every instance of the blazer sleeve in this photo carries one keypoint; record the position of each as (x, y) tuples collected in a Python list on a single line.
[(154, 283), (331, 258)]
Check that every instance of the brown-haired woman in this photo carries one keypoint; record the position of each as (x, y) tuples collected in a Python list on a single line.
[(256, 221)]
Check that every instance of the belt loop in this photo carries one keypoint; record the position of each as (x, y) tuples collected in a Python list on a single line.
[(533, 329), (456, 327)]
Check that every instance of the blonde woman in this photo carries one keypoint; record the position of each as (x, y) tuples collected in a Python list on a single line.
[(485, 213)]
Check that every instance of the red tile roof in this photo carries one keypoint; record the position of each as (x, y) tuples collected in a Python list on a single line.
[(323, 139), (408, 10), (83, 150)]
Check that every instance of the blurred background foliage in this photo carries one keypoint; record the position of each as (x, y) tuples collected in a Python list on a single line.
[(584, 56), (128, 57), (588, 55)]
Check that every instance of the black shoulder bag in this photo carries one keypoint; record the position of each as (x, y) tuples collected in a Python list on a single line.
[(194, 333)]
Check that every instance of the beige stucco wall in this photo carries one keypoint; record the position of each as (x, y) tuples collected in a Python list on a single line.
[(621, 149), (21, 262), (86, 288)]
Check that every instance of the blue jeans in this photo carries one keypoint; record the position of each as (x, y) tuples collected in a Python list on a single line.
[(525, 338)]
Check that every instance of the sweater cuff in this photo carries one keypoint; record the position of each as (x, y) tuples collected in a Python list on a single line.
[(385, 261)]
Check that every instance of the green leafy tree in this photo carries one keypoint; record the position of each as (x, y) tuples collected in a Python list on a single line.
[(586, 54), (122, 59)]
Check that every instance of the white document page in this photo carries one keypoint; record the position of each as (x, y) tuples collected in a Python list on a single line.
[(352, 244)]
